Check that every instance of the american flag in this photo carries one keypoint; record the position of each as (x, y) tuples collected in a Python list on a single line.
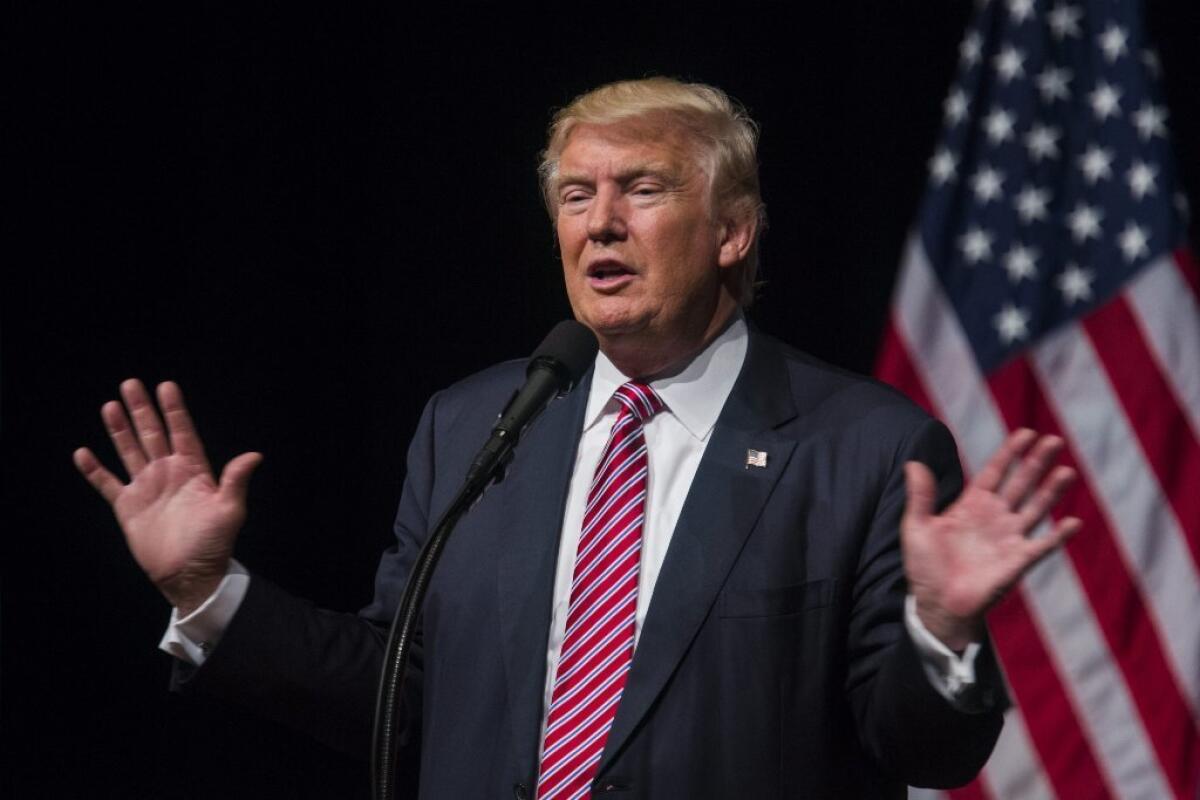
[(1046, 285)]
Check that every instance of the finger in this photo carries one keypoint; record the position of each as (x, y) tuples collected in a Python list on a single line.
[(1039, 547), (100, 478), (145, 419), (128, 448), (235, 478), (183, 436), (1030, 471), (1047, 495), (993, 472), (922, 492)]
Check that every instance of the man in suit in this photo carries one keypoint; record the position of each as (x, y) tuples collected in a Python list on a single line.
[(716, 570)]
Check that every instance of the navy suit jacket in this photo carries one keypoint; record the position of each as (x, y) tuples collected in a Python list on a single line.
[(773, 661)]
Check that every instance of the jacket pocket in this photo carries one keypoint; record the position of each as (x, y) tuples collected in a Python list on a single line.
[(776, 601)]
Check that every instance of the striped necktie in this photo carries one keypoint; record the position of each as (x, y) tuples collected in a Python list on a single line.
[(598, 648)]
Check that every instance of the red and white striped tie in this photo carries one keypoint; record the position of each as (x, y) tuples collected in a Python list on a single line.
[(598, 648)]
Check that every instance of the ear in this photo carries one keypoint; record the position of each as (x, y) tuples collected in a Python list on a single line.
[(737, 238)]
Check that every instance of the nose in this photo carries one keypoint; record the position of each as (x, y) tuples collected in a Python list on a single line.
[(606, 219)]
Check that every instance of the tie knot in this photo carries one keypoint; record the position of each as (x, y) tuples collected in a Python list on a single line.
[(639, 400)]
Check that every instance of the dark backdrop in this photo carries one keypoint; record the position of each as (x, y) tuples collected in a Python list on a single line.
[(312, 218)]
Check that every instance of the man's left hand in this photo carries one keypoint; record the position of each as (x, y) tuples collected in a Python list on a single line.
[(961, 562)]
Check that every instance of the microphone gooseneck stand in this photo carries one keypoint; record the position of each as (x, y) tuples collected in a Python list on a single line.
[(555, 368), (395, 656)]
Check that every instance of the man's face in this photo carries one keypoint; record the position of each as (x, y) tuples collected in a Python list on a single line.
[(642, 253)]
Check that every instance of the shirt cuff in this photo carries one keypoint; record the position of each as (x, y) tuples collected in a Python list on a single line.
[(953, 676), (192, 638)]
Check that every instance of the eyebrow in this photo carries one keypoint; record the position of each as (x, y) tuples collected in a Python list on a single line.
[(630, 173)]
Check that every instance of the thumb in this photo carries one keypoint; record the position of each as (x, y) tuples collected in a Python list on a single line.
[(235, 478), (922, 491)]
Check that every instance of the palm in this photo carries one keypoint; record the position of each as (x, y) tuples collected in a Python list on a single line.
[(179, 523), (978, 544), (172, 515), (960, 563)]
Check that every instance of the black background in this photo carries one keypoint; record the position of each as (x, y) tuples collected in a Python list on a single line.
[(312, 218)]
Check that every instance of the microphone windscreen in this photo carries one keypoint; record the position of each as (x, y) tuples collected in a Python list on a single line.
[(571, 346)]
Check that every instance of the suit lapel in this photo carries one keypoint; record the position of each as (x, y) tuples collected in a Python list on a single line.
[(540, 472), (724, 502)]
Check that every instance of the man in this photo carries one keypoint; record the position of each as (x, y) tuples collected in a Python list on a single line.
[(705, 596)]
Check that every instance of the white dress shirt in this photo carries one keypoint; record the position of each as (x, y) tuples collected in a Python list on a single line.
[(675, 441)]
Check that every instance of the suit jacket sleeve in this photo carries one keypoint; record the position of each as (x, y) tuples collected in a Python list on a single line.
[(318, 670), (903, 723)]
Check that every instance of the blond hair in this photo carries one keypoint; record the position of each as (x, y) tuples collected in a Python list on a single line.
[(716, 122)]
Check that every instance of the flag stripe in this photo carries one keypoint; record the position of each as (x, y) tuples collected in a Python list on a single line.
[(1150, 538), (1014, 770), (1165, 305), (943, 342), (1185, 261), (1167, 443), (942, 357), (928, 330), (1041, 694), (1040, 289), (1101, 578), (894, 367), (975, 412), (1094, 682), (972, 791)]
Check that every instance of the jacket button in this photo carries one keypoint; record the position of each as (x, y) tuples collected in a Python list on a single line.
[(520, 791)]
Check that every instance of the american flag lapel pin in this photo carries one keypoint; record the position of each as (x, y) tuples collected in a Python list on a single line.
[(756, 458)]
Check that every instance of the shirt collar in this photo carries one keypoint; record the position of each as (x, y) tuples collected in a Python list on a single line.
[(695, 395)]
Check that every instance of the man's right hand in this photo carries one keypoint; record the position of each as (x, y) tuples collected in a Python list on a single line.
[(179, 523)]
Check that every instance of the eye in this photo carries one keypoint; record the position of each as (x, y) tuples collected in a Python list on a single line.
[(646, 188), (573, 197)]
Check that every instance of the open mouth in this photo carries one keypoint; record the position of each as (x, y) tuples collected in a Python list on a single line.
[(608, 273)]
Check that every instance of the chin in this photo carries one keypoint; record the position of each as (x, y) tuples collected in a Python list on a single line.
[(613, 328)]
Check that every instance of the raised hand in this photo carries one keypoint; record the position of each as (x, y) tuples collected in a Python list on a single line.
[(961, 562), (180, 523)]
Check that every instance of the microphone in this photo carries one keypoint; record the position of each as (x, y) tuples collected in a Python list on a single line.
[(555, 367)]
